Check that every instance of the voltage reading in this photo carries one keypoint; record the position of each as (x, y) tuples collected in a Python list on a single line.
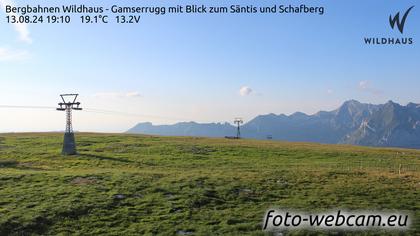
[(128, 19)]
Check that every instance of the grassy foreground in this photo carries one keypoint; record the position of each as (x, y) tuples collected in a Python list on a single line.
[(135, 185)]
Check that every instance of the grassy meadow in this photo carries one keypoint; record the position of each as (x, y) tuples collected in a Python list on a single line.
[(147, 185)]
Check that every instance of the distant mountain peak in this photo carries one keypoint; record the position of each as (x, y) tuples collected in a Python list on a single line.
[(390, 105), (350, 106), (298, 113), (352, 102), (389, 124), (413, 105)]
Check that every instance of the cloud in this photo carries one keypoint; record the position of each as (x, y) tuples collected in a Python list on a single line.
[(366, 86), (7, 54), (245, 91), (21, 28), (107, 95), (133, 94)]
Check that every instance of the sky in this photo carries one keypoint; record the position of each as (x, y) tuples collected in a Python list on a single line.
[(204, 68)]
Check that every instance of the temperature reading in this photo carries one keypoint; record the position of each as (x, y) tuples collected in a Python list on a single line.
[(94, 19)]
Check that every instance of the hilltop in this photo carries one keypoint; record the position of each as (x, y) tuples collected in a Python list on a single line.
[(136, 185)]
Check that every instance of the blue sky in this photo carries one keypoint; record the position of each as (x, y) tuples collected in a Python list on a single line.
[(205, 67)]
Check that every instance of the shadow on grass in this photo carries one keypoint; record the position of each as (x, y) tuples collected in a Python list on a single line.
[(8, 163), (38, 226), (94, 156), (17, 165), (2, 142)]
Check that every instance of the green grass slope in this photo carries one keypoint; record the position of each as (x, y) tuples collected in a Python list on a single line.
[(144, 185)]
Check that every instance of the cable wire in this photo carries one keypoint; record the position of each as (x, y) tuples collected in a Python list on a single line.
[(99, 111), (27, 107)]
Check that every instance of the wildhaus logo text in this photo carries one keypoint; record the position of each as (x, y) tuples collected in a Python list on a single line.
[(397, 23)]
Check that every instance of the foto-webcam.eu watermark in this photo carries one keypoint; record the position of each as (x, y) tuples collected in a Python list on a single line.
[(278, 220)]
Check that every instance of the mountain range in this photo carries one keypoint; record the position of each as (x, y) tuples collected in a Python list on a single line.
[(384, 125)]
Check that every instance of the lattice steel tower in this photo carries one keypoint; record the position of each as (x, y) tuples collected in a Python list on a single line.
[(68, 105), (238, 122)]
